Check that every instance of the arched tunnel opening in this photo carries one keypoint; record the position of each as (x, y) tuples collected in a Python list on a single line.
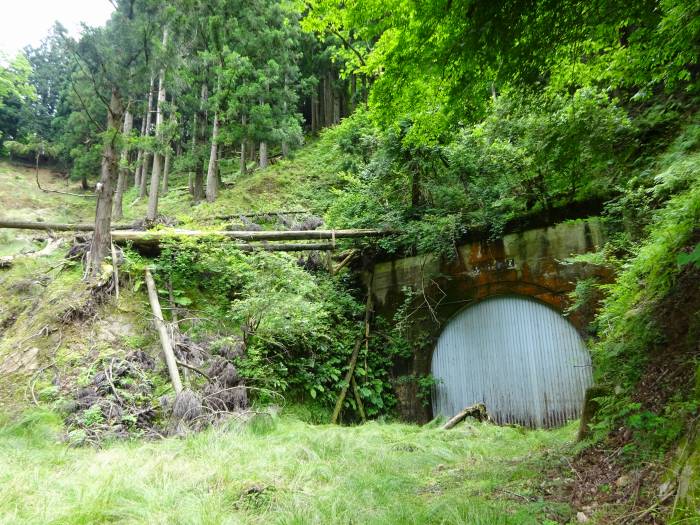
[(521, 358)]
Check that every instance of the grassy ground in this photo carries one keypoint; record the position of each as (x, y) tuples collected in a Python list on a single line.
[(282, 471), (304, 182), (21, 199)]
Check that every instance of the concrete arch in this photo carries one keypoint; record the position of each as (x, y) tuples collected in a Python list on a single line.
[(534, 263)]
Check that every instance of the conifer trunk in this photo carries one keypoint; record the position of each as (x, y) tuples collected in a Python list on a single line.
[(117, 212), (139, 157), (353, 93), (152, 212), (200, 130), (195, 130), (242, 161), (284, 145), (264, 161), (314, 111), (166, 172), (168, 155), (102, 238), (219, 156), (212, 190), (145, 160), (328, 100)]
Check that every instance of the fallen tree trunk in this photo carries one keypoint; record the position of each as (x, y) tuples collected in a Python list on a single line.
[(348, 377), (56, 226), (154, 237), (151, 248), (358, 400), (286, 247), (477, 411), (345, 261), (170, 360), (125, 232)]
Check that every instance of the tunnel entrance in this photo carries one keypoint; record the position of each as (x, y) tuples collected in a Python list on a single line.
[(520, 358)]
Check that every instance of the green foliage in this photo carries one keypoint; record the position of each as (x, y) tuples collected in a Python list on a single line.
[(628, 322), (582, 295), (92, 416), (690, 258), (440, 62), (426, 387), (530, 154), (14, 78), (299, 328)]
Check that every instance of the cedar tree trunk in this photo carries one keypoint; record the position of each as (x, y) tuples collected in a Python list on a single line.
[(101, 238)]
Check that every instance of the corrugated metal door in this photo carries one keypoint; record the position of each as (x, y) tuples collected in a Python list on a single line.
[(520, 358)]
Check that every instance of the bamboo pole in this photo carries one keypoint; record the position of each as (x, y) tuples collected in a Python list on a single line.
[(170, 360), (346, 385), (353, 359), (358, 399)]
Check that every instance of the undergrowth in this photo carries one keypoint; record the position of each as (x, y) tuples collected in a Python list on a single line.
[(299, 326), (632, 324)]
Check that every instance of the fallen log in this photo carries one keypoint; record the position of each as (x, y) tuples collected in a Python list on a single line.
[(124, 232), (348, 377), (477, 411), (165, 343), (56, 226), (154, 237), (150, 247), (345, 261), (286, 247)]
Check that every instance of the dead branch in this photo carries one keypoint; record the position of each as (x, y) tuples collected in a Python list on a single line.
[(194, 369), (46, 190), (477, 411)]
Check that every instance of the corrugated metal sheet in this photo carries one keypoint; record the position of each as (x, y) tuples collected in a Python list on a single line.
[(520, 358)]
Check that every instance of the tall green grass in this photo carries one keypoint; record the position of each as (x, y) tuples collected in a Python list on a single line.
[(283, 471)]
